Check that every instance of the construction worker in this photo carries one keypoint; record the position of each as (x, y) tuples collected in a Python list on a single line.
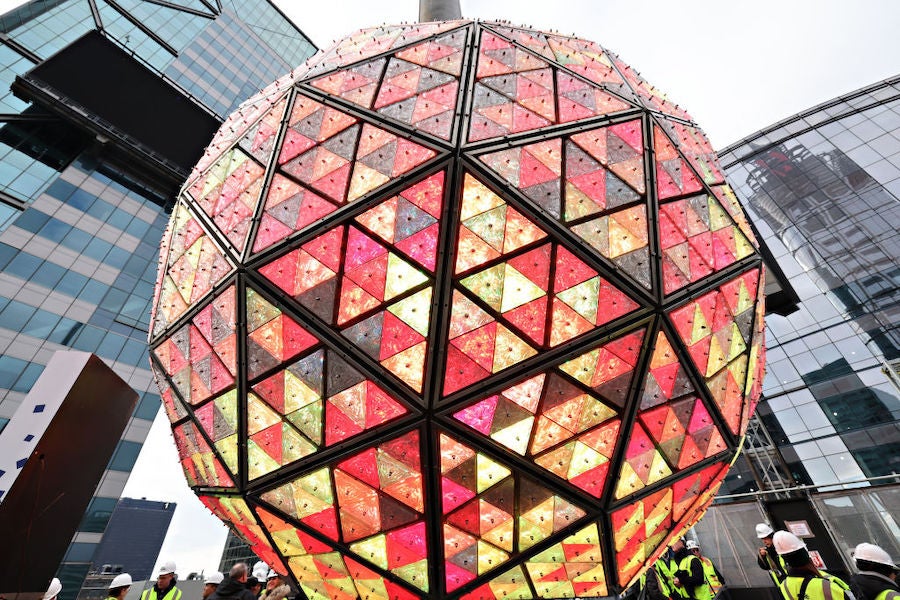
[(877, 577), (657, 580), (804, 580), (254, 585), (211, 583), (276, 586), (768, 559), (164, 588), (689, 580), (713, 577), (234, 586), (119, 586)]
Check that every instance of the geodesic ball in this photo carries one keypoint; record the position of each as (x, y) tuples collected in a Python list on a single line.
[(458, 310)]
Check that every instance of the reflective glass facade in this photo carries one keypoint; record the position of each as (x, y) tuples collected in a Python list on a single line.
[(80, 226), (823, 189)]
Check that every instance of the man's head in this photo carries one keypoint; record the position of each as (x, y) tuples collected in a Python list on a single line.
[(211, 583), (870, 557), (238, 572), (765, 532), (693, 546), (166, 575), (254, 585), (791, 548), (120, 585), (678, 545)]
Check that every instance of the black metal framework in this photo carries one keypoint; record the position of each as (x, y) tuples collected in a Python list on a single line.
[(430, 412)]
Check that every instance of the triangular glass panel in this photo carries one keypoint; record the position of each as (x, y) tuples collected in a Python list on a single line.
[(339, 157), (201, 466), (200, 357), (717, 329), (367, 43), (573, 568), (598, 191), (490, 514), (236, 511), (192, 264)]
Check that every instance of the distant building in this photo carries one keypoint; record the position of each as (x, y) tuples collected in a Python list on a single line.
[(113, 104), (133, 538), (236, 550)]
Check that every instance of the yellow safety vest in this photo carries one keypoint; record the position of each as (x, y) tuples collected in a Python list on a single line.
[(888, 595), (711, 578), (702, 591), (818, 588), (172, 594), (774, 568)]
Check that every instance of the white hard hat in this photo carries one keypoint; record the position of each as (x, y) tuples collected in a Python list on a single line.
[(763, 530), (692, 545), (272, 573), (215, 578), (873, 553), (786, 542), (54, 589), (260, 569), (120, 580), (166, 568)]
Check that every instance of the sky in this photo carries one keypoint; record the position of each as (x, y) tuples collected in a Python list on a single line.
[(735, 66)]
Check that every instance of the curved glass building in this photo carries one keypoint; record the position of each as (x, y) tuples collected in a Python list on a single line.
[(822, 187), (823, 454)]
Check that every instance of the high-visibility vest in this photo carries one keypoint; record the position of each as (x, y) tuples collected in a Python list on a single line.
[(888, 595), (776, 568), (666, 570), (711, 578), (818, 588), (702, 591), (835, 580), (173, 594)]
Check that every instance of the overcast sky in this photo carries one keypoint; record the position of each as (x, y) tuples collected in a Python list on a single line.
[(735, 66)]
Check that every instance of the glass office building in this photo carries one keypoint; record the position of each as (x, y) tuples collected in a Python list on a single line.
[(823, 188), (89, 92)]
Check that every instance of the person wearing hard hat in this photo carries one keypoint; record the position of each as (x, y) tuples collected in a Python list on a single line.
[(254, 585), (276, 587), (164, 588), (211, 583), (713, 577), (804, 580), (768, 559), (119, 586), (53, 590), (656, 582), (689, 580), (234, 586), (877, 577), (260, 570)]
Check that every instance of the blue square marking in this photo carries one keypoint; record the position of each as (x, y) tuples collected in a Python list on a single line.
[(29, 437), (21, 462), (40, 408)]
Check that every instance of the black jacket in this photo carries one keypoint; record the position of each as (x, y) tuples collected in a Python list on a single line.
[(773, 556), (866, 585), (231, 590), (691, 577)]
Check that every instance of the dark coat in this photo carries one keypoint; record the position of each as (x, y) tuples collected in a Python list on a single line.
[(230, 589), (866, 585)]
